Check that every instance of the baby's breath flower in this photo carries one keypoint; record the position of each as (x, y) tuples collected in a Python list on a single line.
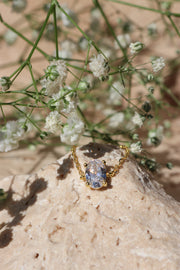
[(50, 31), (64, 102), (51, 72), (167, 124), (166, 5), (137, 119), (169, 165), (152, 29), (135, 136), (150, 77), (65, 20), (72, 130), (95, 13), (10, 135), (34, 34), (99, 66), (95, 19), (89, 79), (67, 48), (158, 64), (136, 47), (53, 122), (124, 40), (146, 106), (10, 37), (136, 147), (5, 83), (56, 74), (83, 86), (115, 93), (19, 5), (116, 120), (151, 89), (155, 136), (151, 164), (83, 43), (108, 52)]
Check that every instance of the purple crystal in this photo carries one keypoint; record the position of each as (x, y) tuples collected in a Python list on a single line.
[(96, 174)]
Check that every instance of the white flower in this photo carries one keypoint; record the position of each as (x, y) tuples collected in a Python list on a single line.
[(66, 22), (106, 111), (83, 43), (108, 52), (7, 144), (152, 29), (63, 102), (89, 79), (158, 64), (136, 147), (124, 40), (10, 135), (56, 75), (95, 14), (72, 130), (67, 48), (14, 129), (99, 66), (116, 120), (136, 47), (155, 136), (10, 37), (137, 119), (34, 34), (53, 122), (19, 5), (115, 93)]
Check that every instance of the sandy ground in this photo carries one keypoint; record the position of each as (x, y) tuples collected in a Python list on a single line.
[(25, 161)]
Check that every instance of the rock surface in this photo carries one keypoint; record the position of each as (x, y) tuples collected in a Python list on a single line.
[(51, 220)]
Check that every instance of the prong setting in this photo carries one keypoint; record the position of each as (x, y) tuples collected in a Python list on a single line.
[(95, 176)]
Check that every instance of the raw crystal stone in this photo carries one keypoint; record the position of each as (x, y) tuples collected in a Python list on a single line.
[(96, 174)]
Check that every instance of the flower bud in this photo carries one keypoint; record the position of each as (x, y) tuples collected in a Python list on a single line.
[(5, 83), (136, 47), (146, 106)]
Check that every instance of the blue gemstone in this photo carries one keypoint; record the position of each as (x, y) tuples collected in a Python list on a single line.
[(96, 174)]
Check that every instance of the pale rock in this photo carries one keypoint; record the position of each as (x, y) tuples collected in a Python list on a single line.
[(52, 221)]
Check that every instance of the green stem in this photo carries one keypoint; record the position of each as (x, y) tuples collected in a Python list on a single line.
[(32, 122), (34, 82), (96, 3), (24, 38), (84, 118), (41, 33), (4, 117), (56, 32), (85, 65), (167, 13), (78, 68), (19, 68), (174, 26), (169, 92), (163, 17), (19, 71), (128, 100), (22, 104), (130, 85), (80, 30)]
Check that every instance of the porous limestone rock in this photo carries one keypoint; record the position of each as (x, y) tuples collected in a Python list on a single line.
[(52, 221)]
